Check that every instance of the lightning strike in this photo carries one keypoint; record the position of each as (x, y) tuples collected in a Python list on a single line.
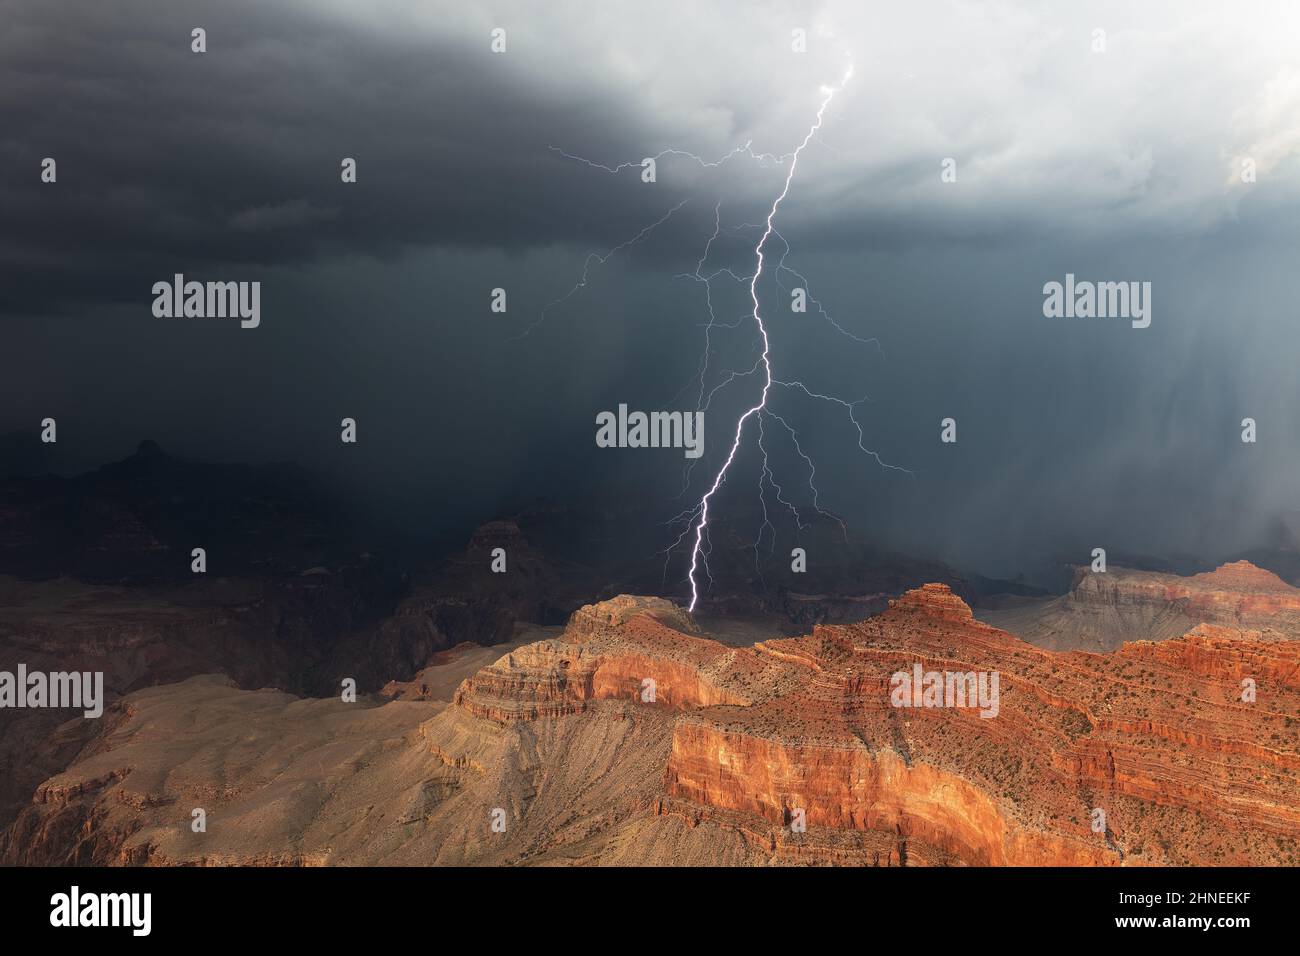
[(694, 520), (828, 95)]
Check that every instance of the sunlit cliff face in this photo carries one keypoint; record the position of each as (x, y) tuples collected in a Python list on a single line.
[(627, 739)]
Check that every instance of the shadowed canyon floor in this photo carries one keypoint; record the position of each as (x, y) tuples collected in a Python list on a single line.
[(552, 737)]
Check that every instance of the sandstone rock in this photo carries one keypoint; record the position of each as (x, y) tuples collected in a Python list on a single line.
[(558, 735), (1103, 611)]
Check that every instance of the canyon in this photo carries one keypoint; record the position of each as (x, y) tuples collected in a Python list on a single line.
[(549, 716), (547, 749)]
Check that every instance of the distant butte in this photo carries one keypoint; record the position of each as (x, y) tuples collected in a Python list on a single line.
[(1103, 610), (1243, 576)]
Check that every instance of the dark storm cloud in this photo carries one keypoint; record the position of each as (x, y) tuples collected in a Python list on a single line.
[(1119, 165), (174, 161), (178, 161)]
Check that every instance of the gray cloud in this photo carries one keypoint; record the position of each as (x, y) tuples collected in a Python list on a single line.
[(1117, 165)]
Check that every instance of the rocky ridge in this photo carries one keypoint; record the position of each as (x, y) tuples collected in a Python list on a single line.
[(732, 748)]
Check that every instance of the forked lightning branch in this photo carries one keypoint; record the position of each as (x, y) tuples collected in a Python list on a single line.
[(674, 429)]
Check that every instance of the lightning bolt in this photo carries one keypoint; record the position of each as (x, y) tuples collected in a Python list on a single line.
[(694, 520), (703, 508)]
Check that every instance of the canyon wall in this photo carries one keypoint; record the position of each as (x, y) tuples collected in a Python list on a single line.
[(791, 751)]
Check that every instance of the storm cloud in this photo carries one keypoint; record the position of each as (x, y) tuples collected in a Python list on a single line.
[(1122, 164)]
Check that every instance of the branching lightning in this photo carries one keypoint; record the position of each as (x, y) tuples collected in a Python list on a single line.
[(601, 258), (706, 164), (695, 519), (703, 515)]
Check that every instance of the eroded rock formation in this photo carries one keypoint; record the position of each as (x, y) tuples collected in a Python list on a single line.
[(556, 753), (1104, 610)]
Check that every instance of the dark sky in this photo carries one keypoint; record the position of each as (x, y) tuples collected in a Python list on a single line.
[(1117, 165)]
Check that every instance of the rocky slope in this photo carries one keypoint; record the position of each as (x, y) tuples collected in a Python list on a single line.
[(299, 631), (555, 753)]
